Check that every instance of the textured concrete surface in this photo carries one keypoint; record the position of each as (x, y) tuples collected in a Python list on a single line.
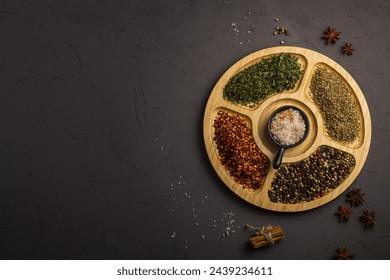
[(101, 145)]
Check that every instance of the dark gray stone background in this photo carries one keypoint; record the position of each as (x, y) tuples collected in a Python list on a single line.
[(101, 110)]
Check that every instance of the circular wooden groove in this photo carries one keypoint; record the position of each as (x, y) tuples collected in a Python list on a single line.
[(258, 116)]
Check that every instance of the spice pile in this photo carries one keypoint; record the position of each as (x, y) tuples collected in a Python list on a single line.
[(271, 75), (309, 179), (238, 151), (337, 105), (288, 127)]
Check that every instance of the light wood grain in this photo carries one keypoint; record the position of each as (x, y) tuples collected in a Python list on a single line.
[(258, 116)]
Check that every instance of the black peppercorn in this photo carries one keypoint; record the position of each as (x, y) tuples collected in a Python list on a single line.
[(312, 178)]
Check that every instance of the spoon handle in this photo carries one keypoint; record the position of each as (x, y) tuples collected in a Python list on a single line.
[(278, 158)]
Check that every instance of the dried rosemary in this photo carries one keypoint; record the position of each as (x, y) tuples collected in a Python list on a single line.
[(270, 75), (337, 105)]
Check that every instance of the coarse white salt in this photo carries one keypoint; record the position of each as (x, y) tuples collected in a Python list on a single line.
[(288, 127)]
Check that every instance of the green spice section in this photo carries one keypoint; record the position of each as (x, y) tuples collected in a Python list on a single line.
[(238, 151), (337, 105), (271, 75), (312, 178)]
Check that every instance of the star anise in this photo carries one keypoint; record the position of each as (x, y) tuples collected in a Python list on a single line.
[(343, 254), (331, 35), (355, 197), (368, 218), (347, 49), (344, 212)]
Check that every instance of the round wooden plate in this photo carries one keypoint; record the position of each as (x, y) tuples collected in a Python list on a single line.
[(258, 116)]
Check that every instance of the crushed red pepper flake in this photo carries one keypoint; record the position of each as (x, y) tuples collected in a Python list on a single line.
[(238, 152)]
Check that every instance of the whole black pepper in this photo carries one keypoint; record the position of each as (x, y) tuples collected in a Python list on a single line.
[(312, 178)]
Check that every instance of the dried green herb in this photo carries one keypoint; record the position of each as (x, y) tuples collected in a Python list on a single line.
[(270, 75), (337, 105)]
